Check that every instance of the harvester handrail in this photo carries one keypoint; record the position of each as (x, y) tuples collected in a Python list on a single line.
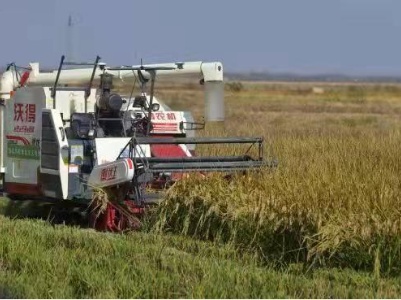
[(198, 140), (207, 166), (197, 159)]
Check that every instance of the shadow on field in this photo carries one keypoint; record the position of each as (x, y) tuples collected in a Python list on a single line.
[(4, 294), (54, 213)]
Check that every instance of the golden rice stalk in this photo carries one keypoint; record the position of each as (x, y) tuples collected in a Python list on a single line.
[(103, 197), (100, 200)]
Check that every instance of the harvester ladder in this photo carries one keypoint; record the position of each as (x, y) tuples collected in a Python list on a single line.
[(86, 89)]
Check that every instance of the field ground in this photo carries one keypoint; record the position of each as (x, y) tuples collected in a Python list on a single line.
[(38, 260), (325, 223)]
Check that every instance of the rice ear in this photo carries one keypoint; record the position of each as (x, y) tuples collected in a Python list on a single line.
[(100, 200)]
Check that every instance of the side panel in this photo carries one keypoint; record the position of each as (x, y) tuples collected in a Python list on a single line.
[(54, 156), (108, 149), (22, 140), (167, 122), (113, 173), (80, 166)]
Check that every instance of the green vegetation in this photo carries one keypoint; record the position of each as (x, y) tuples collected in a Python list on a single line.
[(38, 260)]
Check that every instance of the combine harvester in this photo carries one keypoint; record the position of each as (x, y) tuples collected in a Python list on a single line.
[(61, 143)]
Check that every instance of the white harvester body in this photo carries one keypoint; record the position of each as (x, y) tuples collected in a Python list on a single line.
[(36, 154), (39, 158), (23, 134)]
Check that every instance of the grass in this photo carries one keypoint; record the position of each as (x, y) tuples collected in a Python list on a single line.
[(38, 260), (325, 223)]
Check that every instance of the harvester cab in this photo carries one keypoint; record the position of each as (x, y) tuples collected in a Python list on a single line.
[(66, 143)]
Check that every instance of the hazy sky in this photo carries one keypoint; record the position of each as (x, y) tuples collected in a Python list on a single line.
[(304, 36)]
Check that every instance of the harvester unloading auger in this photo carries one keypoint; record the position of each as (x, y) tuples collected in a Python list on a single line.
[(64, 144)]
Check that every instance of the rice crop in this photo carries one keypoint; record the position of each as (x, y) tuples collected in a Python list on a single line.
[(334, 199)]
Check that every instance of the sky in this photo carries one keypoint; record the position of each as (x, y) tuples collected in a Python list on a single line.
[(352, 37)]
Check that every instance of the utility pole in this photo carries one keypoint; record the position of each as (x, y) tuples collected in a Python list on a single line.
[(70, 39)]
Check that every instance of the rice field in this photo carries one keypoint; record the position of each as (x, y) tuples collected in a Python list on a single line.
[(334, 199), (324, 224)]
